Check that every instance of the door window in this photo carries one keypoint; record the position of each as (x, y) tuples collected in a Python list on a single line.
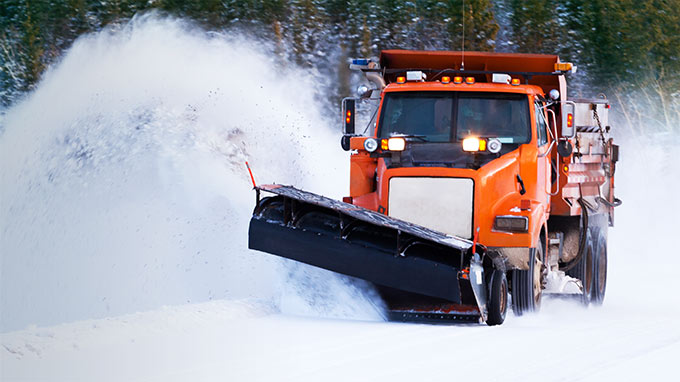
[(541, 125)]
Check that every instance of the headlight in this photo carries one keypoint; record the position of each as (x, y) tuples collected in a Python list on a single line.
[(370, 145), (511, 223), (471, 144), (493, 145), (396, 144)]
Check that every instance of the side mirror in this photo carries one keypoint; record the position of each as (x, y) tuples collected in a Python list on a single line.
[(344, 142), (568, 128), (554, 94), (564, 148), (364, 92), (348, 111)]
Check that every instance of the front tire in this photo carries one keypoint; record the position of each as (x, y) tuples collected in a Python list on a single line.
[(497, 306)]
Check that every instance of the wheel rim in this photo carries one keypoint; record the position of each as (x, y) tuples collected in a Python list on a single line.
[(536, 282)]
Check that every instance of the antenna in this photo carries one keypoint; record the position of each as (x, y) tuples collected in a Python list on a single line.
[(462, 60)]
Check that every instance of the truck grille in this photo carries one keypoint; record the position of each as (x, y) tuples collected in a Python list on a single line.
[(441, 204)]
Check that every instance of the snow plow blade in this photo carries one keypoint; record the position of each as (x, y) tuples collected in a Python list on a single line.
[(354, 241)]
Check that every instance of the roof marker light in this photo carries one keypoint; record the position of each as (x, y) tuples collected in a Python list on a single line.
[(563, 66), (457, 80), (401, 79), (515, 82), (469, 80), (446, 79)]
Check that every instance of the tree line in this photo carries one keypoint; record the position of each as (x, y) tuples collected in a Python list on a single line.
[(619, 44)]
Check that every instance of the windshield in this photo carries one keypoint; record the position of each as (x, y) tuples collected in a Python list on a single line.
[(431, 116), (425, 114)]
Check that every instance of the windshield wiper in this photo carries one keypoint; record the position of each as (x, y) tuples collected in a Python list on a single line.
[(410, 136)]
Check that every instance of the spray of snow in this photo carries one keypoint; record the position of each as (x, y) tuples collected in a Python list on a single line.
[(124, 186), (642, 246)]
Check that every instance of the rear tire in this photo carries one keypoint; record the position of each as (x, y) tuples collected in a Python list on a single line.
[(497, 306), (600, 260), (584, 270), (526, 285)]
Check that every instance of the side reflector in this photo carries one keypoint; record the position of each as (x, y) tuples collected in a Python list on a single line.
[(457, 80), (347, 199), (401, 79), (469, 80), (570, 120), (471, 144), (525, 204), (396, 144), (446, 79), (515, 82)]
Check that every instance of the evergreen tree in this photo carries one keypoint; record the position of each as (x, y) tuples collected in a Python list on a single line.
[(536, 26), (613, 40), (305, 29), (479, 28)]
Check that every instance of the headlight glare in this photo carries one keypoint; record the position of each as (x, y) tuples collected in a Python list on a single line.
[(471, 144), (396, 144)]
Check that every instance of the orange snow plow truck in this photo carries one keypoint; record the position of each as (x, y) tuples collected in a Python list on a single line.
[(476, 186)]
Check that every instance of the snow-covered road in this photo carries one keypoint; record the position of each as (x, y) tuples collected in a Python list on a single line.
[(241, 341)]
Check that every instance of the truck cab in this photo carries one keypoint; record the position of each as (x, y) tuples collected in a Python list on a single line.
[(467, 155)]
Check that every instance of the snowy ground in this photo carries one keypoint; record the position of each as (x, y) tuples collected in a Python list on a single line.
[(234, 341), (124, 190)]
